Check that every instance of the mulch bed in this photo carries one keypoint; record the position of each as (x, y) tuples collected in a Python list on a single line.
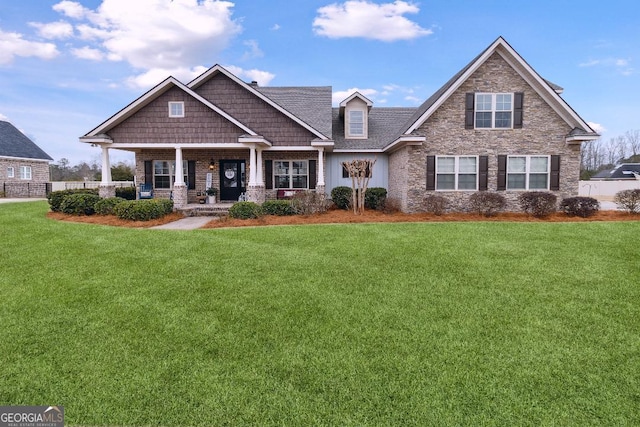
[(338, 216)]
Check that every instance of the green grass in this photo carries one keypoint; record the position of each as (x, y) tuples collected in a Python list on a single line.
[(373, 324)]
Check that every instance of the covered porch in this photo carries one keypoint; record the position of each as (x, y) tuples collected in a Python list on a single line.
[(250, 169)]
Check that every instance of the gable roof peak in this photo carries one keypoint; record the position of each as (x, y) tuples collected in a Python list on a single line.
[(358, 95)]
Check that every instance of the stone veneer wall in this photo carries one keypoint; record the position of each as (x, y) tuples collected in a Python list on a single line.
[(543, 133), (16, 187)]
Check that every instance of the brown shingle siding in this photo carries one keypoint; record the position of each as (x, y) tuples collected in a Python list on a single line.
[(255, 113), (152, 124)]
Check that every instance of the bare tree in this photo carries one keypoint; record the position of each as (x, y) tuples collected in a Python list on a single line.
[(360, 172), (633, 141)]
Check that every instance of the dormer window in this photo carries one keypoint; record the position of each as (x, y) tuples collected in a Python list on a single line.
[(355, 111), (176, 109), (356, 123)]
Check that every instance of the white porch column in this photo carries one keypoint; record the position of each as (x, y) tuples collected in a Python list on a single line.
[(179, 188), (252, 166), (106, 167), (259, 177), (320, 167), (106, 188), (179, 171)]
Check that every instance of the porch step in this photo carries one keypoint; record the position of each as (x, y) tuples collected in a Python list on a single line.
[(196, 209)]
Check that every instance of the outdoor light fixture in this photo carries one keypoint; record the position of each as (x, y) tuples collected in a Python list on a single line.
[(212, 165)]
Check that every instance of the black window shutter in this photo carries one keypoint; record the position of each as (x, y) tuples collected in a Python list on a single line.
[(268, 174), (191, 174), (468, 110), (517, 110), (313, 178), (483, 168), (431, 172), (148, 171), (555, 173), (502, 172)]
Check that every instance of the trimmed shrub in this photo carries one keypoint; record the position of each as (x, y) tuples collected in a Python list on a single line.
[(142, 210), (580, 206), (165, 204), (487, 203), (79, 204), (55, 198), (105, 206), (127, 193), (629, 200), (309, 202), (374, 197), (245, 210), (435, 204), (278, 208), (341, 197), (540, 204)]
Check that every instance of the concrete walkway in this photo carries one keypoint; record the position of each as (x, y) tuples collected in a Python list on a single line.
[(186, 223)]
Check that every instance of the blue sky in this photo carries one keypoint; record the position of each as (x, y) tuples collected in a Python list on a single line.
[(66, 66)]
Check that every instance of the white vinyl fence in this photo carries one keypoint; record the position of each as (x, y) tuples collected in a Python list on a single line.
[(606, 190), (72, 185)]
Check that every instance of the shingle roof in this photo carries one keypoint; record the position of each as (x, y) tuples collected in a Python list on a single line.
[(311, 104), (14, 143), (385, 125), (623, 171)]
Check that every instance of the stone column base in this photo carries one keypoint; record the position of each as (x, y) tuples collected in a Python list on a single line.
[(320, 189), (256, 193), (106, 191), (179, 196)]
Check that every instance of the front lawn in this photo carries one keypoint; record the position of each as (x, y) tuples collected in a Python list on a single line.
[(362, 324)]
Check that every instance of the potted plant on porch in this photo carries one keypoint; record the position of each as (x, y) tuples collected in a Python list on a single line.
[(211, 195)]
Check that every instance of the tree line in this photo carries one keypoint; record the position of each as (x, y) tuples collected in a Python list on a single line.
[(63, 170), (599, 155)]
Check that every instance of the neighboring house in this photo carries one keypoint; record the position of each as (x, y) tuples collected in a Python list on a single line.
[(24, 167), (496, 125), (624, 171)]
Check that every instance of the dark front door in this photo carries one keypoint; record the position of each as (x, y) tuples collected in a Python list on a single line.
[(232, 178)]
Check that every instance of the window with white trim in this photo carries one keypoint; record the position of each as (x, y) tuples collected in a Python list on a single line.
[(176, 109), (456, 172), (11, 172), (25, 172), (494, 110), (356, 123), (291, 173), (164, 173), (527, 172)]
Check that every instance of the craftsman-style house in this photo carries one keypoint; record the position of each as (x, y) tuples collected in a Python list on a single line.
[(496, 125)]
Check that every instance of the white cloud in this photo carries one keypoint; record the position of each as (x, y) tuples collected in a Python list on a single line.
[(341, 95), (156, 75), (413, 99), (275, 27), (12, 45), (621, 65), (4, 118), (597, 127), (361, 18), (253, 52), (157, 37), (72, 9), (262, 77), (54, 30), (89, 53)]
